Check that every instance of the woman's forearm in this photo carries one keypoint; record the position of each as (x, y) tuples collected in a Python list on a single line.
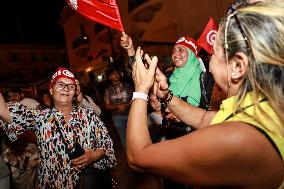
[(191, 115), (137, 130)]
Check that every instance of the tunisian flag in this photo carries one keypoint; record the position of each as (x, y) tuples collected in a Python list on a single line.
[(208, 36), (105, 12)]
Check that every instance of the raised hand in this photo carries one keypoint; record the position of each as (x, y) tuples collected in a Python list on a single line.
[(144, 74), (161, 86), (126, 41)]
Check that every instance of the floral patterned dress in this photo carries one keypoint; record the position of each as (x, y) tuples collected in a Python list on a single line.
[(55, 169)]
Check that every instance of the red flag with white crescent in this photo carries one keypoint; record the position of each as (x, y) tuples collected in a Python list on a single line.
[(208, 36), (105, 12)]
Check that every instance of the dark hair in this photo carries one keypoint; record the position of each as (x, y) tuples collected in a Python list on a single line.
[(15, 90), (111, 70)]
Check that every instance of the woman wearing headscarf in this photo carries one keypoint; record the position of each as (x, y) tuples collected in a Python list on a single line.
[(184, 81)]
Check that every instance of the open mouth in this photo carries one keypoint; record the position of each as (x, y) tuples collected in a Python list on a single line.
[(177, 59), (64, 95)]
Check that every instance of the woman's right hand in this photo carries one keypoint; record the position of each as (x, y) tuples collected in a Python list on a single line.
[(126, 42), (161, 87), (143, 74)]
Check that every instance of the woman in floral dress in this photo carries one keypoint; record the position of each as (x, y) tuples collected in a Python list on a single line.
[(57, 129)]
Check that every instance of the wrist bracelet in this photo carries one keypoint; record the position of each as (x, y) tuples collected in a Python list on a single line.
[(166, 102), (140, 96), (131, 60)]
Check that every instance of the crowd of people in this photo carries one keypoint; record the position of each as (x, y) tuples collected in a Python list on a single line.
[(61, 141), (73, 142), (239, 146)]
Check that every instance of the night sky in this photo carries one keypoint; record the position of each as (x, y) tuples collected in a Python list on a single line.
[(31, 22)]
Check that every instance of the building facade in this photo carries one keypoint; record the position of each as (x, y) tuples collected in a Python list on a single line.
[(30, 66), (153, 24)]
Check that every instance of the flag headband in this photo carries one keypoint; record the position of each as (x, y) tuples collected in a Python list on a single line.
[(61, 73)]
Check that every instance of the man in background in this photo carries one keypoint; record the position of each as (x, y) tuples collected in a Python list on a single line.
[(117, 101)]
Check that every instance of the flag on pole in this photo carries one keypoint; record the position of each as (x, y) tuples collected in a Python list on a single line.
[(105, 12), (208, 36)]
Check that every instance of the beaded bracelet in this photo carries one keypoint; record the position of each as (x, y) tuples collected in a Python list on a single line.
[(165, 102), (131, 60)]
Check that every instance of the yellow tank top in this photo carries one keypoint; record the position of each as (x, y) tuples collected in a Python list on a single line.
[(272, 127)]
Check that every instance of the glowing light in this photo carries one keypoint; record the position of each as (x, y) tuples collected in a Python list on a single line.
[(88, 69), (100, 77)]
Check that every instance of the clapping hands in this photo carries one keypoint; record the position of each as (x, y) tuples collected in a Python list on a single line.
[(143, 73), (146, 75)]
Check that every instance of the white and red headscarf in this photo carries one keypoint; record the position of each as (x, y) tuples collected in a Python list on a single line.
[(61, 73), (189, 43)]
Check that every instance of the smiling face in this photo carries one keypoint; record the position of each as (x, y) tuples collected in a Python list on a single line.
[(179, 55), (155, 104), (65, 95)]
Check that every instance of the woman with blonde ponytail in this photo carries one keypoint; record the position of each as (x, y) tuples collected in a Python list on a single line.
[(241, 145)]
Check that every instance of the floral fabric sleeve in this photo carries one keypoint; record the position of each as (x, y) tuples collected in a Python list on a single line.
[(103, 141), (23, 119)]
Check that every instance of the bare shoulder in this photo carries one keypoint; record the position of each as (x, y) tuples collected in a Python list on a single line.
[(226, 154), (234, 153)]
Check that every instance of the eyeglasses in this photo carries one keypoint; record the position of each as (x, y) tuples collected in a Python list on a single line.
[(61, 86)]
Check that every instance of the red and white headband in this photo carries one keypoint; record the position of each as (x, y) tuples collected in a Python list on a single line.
[(61, 73), (189, 43)]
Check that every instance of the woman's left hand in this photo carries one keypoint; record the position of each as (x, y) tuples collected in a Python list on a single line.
[(86, 159), (143, 75)]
